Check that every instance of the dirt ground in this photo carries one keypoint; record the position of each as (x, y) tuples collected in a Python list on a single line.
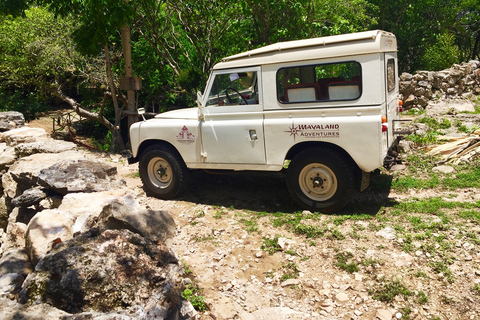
[(410, 263)]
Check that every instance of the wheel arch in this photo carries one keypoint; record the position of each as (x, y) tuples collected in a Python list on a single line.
[(161, 144), (299, 147)]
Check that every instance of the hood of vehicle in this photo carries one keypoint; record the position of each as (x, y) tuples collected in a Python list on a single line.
[(189, 113)]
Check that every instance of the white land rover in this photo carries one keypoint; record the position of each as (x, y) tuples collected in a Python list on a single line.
[(324, 107)]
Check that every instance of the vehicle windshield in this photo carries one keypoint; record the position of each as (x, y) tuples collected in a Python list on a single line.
[(234, 89)]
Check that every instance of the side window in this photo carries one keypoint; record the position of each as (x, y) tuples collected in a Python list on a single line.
[(323, 82), (236, 88), (391, 74)]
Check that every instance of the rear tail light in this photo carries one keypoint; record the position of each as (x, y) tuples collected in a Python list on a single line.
[(400, 106), (384, 124)]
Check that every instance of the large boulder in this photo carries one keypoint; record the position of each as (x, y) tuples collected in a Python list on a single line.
[(10, 120), (46, 146), (26, 170), (69, 176), (85, 208), (127, 214), (15, 261), (108, 271), (45, 230), (24, 135)]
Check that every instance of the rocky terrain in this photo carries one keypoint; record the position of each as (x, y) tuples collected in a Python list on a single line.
[(406, 248)]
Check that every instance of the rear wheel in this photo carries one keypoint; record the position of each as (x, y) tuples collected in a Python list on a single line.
[(319, 179), (162, 172)]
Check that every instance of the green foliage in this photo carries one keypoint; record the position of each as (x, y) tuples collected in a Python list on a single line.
[(343, 262), (271, 245), (35, 50), (192, 294), (388, 290), (442, 53), (291, 271)]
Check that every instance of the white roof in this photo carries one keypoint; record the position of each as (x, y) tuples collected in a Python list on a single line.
[(317, 48)]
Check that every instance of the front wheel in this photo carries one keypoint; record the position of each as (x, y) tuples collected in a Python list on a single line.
[(162, 172), (319, 179)]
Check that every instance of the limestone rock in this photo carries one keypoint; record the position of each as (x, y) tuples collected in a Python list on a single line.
[(104, 272), (85, 208), (47, 146), (387, 233), (10, 284), (24, 135), (7, 156), (15, 261), (25, 171), (383, 314), (3, 214), (126, 214), (10, 186), (13, 310), (15, 235), (29, 197), (44, 230), (10, 120), (444, 169), (78, 176)]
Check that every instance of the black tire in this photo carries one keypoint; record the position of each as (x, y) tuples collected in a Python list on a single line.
[(163, 172), (319, 179)]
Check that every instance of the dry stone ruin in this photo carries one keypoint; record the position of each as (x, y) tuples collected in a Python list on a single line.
[(459, 81)]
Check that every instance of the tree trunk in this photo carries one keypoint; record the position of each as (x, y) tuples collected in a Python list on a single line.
[(117, 137), (127, 56)]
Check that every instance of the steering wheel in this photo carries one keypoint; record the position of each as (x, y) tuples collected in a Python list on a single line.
[(236, 91)]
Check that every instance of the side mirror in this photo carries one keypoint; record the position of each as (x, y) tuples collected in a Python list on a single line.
[(141, 112)]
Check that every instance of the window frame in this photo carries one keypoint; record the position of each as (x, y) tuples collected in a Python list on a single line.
[(314, 65), (215, 73)]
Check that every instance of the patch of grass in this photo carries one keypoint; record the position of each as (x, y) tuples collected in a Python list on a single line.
[(470, 214), (409, 182), (219, 214), (186, 269), (420, 140), (271, 245), (388, 290), (369, 262), (476, 288), (422, 297), (251, 224), (421, 274), (335, 234), (291, 271), (343, 262), (310, 231), (201, 239), (192, 294), (442, 267)]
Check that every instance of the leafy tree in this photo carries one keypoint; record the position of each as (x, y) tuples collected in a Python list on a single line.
[(34, 50)]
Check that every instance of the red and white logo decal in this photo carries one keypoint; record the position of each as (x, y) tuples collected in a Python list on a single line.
[(185, 136)]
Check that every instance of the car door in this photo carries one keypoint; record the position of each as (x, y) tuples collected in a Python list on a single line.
[(232, 124)]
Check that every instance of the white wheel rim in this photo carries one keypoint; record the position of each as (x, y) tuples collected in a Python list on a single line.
[(160, 173), (317, 182)]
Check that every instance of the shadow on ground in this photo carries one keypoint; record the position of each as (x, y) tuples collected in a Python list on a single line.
[(267, 192)]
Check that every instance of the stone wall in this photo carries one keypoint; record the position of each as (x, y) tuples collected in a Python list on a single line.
[(459, 81)]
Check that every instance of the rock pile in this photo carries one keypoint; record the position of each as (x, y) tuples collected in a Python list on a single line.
[(74, 241), (459, 80)]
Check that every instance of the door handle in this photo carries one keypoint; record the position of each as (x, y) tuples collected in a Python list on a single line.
[(253, 134)]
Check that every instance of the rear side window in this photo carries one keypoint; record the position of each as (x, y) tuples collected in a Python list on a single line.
[(322, 82), (391, 74)]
